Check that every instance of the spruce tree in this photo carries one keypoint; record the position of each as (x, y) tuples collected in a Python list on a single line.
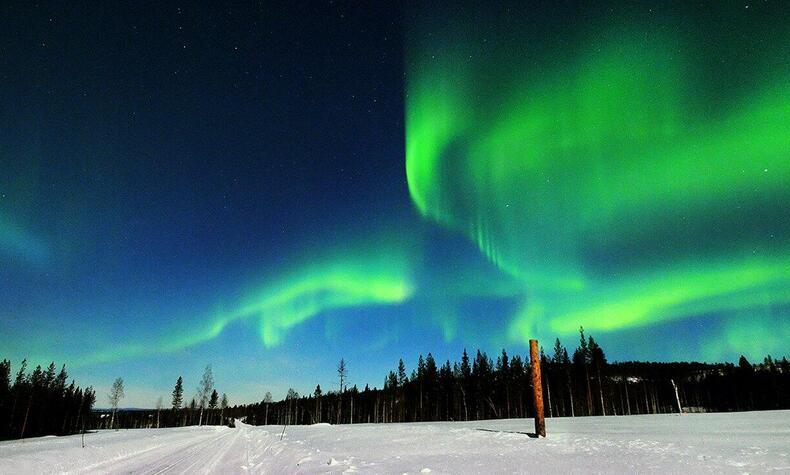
[(223, 405), (557, 357), (598, 360), (178, 394), (466, 370), (584, 353), (401, 373), (213, 402), (342, 373), (5, 391), (317, 393)]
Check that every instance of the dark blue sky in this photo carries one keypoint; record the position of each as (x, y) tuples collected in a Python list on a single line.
[(224, 183), (158, 155)]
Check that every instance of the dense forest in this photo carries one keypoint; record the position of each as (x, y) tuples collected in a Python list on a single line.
[(581, 384), (42, 402), (476, 387)]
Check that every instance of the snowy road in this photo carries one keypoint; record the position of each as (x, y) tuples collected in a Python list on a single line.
[(755, 442)]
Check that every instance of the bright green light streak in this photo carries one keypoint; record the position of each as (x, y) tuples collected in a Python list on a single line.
[(344, 287), (343, 283), (662, 296), (538, 169)]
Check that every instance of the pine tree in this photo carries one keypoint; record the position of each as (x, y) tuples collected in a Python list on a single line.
[(431, 378), (557, 365), (546, 374), (223, 405), (566, 362), (584, 353), (35, 385), (5, 395), (401, 373), (445, 388), (391, 387), (421, 381), (178, 394), (598, 360), (557, 357), (213, 402), (465, 378), (503, 370), (342, 373), (402, 380), (291, 397), (49, 376), (317, 394), (192, 408)]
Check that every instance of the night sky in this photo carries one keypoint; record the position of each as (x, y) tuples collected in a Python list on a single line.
[(268, 187)]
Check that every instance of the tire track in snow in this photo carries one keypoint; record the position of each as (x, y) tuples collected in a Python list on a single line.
[(113, 464), (186, 459)]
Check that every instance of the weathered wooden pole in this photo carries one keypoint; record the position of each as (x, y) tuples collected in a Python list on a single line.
[(537, 387)]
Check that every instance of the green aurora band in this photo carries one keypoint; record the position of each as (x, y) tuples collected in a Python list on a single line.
[(598, 178), (340, 282)]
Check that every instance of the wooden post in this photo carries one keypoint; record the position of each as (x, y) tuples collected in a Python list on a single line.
[(537, 386)]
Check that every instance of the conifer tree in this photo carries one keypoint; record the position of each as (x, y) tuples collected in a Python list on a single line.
[(584, 358), (402, 379), (317, 394), (566, 362), (421, 381), (598, 360), (557, 357), (431, 378), (223, 405), (213, 402), (5, 395), (178, 394), (342, 373), (401, 373)]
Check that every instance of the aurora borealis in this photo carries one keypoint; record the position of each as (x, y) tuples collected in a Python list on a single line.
[(230, 185), (599, 181)]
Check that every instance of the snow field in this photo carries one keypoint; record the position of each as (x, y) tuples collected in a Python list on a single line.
[(754, 442)]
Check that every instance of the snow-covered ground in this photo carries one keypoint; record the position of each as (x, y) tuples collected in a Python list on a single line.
[(754, 442)]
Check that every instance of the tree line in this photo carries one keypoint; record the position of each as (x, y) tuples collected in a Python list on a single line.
[(206, 407), (42, 402), (581, 383)]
